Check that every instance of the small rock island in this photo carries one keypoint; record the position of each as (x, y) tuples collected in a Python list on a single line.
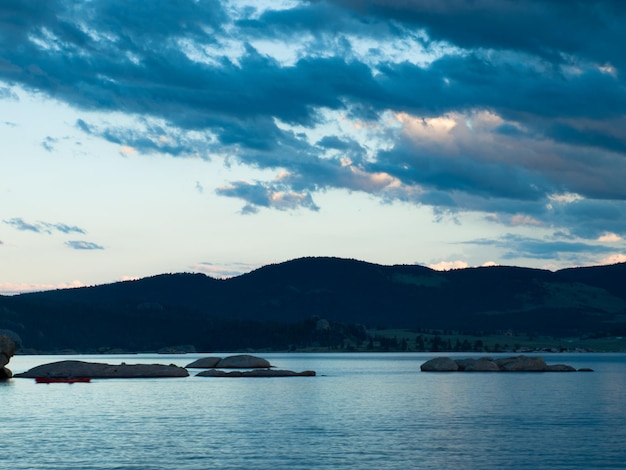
[(96, 370), (258, 367), (255, 367), (239, 361), (488, 364)]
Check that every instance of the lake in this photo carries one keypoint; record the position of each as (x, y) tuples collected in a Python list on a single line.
[(362, 411)]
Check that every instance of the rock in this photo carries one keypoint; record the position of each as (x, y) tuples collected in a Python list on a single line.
[(7, 350), (559, 368), (243, 361), (103, 371), (464, 363), (5, 373), (487, 364), (440, 364), (484, 364), (585, 369), (204, 363), (522, 364), (256, 373), (218, 373)]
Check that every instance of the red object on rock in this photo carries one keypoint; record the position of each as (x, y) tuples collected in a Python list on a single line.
[(63, 380)]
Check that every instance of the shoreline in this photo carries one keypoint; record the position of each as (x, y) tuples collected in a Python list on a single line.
[(313, 351)]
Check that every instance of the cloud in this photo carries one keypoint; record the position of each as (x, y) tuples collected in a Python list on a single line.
[(520, 219), (48, 143), (614, 259), (83, 126), (451, 105), (149, 136), (518, 246), (42, 227), (19, 224), (458, 264), (260, 194), (489, 264), (67, 228), (473, 24), (448, 265), (83, 245), (221, 271), (610, 238), (12, 288), (127, 150), (8, 94)]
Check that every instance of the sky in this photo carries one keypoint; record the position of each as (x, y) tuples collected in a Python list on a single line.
[(158, 136)]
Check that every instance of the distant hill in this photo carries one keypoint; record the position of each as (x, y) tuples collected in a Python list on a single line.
[(317, 301)]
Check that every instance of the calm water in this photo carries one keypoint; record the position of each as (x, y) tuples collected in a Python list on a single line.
[(362, 411)]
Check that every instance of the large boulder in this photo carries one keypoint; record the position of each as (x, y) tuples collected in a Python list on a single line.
[(484, 364), (5, 373), (255, 373), (440, 364), (204, 363), (7, 350), (560, 368), (465, 363), (522, 364), (103, 371), (243, 361)]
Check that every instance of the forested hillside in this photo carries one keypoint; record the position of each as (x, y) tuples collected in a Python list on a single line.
[(317, 301)]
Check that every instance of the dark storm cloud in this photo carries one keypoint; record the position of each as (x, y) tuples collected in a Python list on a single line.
[(591, 137), (547, 77), (591, 218), (468, 175), (83, 245), (547, 28)]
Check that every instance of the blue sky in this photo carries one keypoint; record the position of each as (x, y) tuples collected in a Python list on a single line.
[(160, 136)]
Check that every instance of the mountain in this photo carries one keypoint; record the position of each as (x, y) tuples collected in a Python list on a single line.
[(317, 301)]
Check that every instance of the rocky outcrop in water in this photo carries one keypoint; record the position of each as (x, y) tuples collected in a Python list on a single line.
[(440, 364), (256, 373), (103, 371), (7, 350), (487, 364), (243, 361), (260, 367), (204, 363), (240, 361)]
